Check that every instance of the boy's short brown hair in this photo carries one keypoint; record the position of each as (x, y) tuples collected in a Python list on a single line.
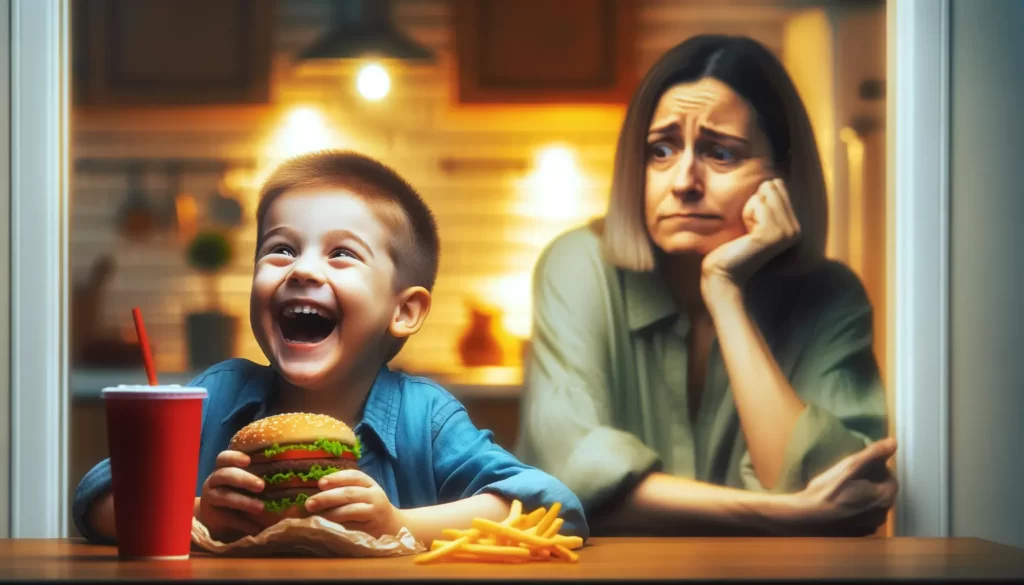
[(413, 244)]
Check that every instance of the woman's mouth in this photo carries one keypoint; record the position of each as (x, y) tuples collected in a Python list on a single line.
[(693, 216), (304, 323)]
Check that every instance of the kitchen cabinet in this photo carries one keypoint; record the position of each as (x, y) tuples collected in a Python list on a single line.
[(171, 52), (542, 52)]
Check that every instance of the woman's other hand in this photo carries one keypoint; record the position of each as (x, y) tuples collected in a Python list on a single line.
[(853, 497), (771, 228)]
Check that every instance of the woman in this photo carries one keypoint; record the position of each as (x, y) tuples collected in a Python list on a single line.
[(696, 364)]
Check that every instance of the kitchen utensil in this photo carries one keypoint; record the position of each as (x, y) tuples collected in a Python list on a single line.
[(136, 218), (224, 208)]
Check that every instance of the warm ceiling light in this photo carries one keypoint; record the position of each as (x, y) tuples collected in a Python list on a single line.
[(373, 82), (555, 188), (302, 130)]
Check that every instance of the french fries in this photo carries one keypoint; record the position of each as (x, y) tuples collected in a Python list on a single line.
[(519, 538)]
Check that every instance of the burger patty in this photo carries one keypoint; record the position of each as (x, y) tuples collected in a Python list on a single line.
[(298, 465), (291, 492)]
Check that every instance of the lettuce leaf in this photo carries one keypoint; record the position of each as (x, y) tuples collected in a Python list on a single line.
[(279, 506), (333, 447), (315, 472)]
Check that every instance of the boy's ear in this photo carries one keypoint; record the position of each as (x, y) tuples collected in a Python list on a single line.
[(413, 306)]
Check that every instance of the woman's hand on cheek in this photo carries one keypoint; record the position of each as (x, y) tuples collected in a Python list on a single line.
[(351, 498), (771, 228)]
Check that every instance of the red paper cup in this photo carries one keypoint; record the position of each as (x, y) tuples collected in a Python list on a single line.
[(153, 434)]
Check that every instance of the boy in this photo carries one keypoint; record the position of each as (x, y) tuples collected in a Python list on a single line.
[(346, 258)]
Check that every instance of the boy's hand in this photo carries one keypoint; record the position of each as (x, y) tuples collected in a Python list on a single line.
[(351, 498), (226, 512)]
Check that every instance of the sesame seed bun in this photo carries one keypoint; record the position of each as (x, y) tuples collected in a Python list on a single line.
[(291, 428)]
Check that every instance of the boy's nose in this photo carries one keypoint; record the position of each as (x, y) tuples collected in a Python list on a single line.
[(306, 273)]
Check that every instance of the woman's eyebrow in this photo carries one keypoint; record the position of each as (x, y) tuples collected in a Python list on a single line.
[(666, 128), (718, 135)]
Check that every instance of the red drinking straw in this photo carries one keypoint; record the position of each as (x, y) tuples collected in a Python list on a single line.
[(147, 356)]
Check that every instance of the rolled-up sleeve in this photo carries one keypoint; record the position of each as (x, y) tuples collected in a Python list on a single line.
[(94, 484), (467, 462), (566, 427), (839, 381)]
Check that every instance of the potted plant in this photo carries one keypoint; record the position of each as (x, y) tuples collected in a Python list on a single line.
[(211, 333)]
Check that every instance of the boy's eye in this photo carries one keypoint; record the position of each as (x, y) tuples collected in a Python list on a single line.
[(344, 253), (282, 249)]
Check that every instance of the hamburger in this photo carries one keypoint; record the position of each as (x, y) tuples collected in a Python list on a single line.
[(291, 452)]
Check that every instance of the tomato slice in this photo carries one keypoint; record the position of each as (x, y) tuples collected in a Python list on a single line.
[(293, 454)]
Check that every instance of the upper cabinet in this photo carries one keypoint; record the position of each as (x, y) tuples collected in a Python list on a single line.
[(545, 51), (171, 52)]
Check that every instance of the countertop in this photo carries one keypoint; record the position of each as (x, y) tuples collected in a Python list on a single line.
[(492, 383), (634, 559)]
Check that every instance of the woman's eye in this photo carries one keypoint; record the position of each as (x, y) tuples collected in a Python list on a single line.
[(660, 150), (282, 249), (720, 153)]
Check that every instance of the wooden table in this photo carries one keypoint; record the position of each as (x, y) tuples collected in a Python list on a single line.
[(706, 559)]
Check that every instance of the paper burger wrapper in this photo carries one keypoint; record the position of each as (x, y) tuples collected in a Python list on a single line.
[(312, 536)]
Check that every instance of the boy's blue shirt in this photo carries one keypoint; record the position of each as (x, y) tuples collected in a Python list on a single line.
[(417, 443)]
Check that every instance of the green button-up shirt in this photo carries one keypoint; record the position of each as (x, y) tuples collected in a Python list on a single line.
[(605, 393)]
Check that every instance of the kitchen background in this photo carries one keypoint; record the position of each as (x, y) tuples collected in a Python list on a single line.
[(503, 114)]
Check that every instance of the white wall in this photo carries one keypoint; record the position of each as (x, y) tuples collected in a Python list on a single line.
[(987, 270)]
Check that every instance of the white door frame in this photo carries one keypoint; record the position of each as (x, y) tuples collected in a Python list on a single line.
[(918, 194), (918, 243), (39, 268), (5, 267)]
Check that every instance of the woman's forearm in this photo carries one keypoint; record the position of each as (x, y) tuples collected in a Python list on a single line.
[(766, 402), (427, 523), (664, 504)]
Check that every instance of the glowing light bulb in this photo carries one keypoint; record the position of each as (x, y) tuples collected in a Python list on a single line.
[(304, 130), (555, 188), (373, 82), (556, 161)]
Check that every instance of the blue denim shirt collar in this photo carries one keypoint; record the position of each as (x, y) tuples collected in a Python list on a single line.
[(380, 414), (256, 393)]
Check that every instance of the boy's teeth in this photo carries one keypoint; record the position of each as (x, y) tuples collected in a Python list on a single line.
[(301, 309)]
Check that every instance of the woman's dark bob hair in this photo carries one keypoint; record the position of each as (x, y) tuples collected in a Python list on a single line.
[(754, 73)]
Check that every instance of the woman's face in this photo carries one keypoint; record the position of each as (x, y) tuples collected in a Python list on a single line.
[(705, 157)]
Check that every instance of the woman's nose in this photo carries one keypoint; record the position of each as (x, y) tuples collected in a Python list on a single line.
[(687, 181)]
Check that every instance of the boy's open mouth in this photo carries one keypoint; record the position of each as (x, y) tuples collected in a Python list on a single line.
[(301, 323)]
